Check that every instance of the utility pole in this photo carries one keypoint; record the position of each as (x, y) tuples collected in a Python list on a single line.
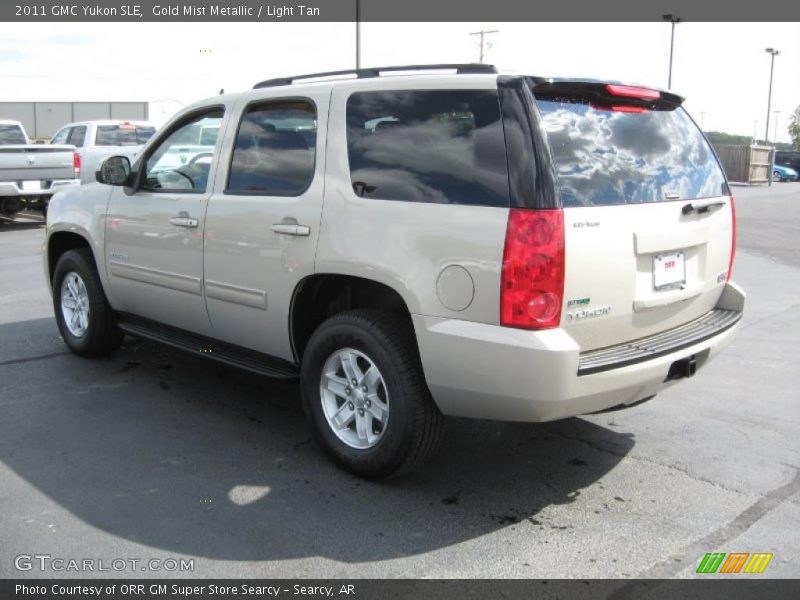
[(483, 33), (674, 20), (773, 53), (358, 34)]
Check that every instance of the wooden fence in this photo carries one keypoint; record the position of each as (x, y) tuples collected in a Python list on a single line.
[(746, 164)]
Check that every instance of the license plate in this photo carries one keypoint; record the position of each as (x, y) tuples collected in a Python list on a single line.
[(669, 270), (31, 186)]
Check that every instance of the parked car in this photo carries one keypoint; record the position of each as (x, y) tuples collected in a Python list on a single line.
[(411, 246), (783, 173), (788, 159), (31, 173), (95, 140)]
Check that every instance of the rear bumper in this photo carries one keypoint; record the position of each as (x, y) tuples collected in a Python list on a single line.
[(46, 188), (491, 372)]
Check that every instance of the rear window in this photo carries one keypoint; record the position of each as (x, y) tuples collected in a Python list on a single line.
[(10, 135), (122, 135), (428, 146), (605, 156)]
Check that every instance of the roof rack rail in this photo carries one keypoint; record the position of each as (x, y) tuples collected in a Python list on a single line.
[(462, 69)]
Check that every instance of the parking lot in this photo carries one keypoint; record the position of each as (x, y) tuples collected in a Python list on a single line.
[(157, 454)]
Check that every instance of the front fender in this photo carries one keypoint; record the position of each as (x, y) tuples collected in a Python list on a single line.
[(80, 210)]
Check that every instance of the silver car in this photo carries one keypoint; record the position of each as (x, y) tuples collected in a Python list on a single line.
[(412, 243)]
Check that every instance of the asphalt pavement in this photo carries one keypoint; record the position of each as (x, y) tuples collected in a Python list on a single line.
[(154, 454)]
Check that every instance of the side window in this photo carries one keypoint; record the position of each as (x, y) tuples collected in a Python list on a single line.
[(181, 162), (77, 136), (275, 150), (428, 146), (61, 136)]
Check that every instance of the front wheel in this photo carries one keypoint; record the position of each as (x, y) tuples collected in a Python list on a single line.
[(776, 176), (84, 318), (365, 395)]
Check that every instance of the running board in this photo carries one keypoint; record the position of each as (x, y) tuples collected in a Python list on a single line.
[(263, 364)]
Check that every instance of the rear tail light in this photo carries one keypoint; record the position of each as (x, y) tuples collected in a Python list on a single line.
[(76, 164), (733, 240), (532, 281)]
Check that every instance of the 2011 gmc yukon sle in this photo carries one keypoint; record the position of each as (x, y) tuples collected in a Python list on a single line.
[(414, 244)]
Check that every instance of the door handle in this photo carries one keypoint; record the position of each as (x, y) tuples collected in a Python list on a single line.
[(183, 221), (701, 206), (291, 229)]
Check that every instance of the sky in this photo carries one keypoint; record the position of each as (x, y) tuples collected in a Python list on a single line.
[(721, 69)]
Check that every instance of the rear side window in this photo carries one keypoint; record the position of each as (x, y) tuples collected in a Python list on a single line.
[(275, 150), (11, 134), (77, 136), (428, 146), (607, 156), (122, 135)]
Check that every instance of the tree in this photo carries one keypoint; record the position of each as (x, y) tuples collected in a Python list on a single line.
[(794, 128)]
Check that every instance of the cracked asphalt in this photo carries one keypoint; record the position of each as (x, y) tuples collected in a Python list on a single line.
[(155, 454)]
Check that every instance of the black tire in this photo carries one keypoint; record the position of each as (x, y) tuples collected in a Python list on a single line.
[(414, 426), (102, 336)]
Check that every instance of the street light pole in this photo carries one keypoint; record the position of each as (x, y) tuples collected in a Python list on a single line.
[(358, 34), (674, 20), (773, 53)]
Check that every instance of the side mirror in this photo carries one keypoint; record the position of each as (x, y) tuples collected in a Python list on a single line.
[(114, 170)]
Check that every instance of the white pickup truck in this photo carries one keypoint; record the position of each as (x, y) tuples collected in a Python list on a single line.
[(96, 140), (31, 173)]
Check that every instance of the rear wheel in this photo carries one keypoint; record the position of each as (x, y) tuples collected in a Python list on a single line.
[(365, 395), (84, 318)]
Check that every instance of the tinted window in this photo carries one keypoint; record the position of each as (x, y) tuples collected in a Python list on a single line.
[(77, 136), (606, 156), (11, 134), (428, 146), (122, 135), (177, 166), (274, 151)]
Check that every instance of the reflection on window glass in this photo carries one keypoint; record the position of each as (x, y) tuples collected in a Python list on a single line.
[(612, 157), (11, 135), (123, 135), (180, 165), (274, 151), (428, 146), (61, 136)]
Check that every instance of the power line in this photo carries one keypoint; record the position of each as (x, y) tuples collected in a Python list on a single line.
[(483, 33)]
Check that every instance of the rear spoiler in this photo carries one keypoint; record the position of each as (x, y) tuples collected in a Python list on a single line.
[(604, 94)]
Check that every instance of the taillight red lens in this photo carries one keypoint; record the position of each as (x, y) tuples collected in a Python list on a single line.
[(631, 91), (532, 282), (733, 240), (76, 164)]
